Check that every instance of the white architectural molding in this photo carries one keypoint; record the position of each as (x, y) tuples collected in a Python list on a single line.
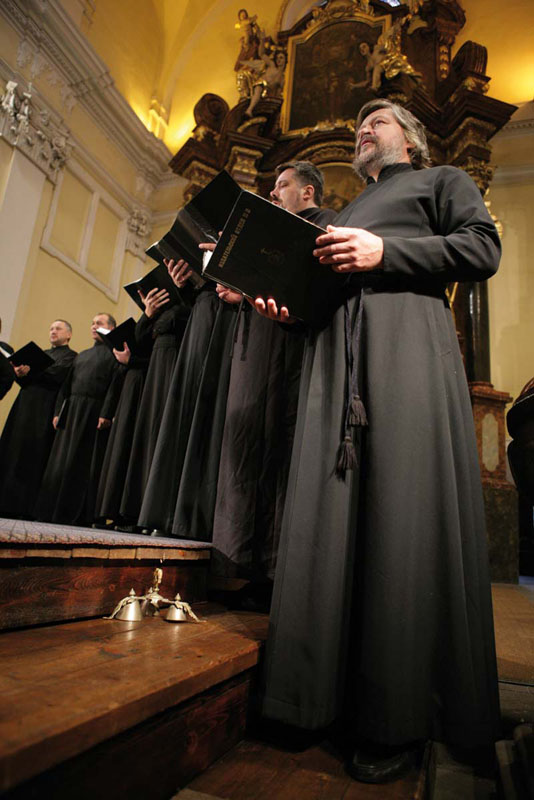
[(520, 124), (513, 174), (111, 289), (31, 127), (50, 144), (52, 43)]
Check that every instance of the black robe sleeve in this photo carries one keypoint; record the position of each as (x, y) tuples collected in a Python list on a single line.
[(143, 330), (466, 245), (54, 376), (7, 376)]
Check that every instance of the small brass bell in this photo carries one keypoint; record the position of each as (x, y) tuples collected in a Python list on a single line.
[(130, 610), (176, 614)]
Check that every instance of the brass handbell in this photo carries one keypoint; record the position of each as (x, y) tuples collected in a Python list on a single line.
[(176, 614), (128, 610), (180, 611)]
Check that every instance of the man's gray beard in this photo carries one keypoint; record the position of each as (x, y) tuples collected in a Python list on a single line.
[(378, 160)]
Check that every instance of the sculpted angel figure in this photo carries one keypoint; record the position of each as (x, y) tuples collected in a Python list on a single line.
[(385, 59), (264, 75), (9, 98), (250, 40)]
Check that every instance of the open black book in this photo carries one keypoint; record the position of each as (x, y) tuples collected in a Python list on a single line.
[(32, 355), (157, 278), (267, 251), (115, 338), (201, 220)]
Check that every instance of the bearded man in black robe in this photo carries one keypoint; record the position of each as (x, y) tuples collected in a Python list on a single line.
[(84, 411), (382, 607), (28, 434)]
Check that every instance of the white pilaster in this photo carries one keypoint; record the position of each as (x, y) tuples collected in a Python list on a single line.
[(18, 215)]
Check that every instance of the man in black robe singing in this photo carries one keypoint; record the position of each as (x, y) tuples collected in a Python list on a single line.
[(382, 607), (28, 434)]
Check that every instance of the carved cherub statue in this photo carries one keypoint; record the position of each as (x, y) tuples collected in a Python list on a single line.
[(264, 75), (250, 40), (385, 59)]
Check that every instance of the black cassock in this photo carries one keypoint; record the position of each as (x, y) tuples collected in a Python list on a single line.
[(258, 438), (7, 375), (166, 330), (180, 493), (382, 606), (28, 435), (91, 390), (115, 465)]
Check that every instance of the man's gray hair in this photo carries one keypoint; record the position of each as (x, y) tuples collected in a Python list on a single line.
[(414, 130), (307, 174)]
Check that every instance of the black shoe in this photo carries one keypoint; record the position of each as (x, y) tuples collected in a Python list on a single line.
[(380, 764)]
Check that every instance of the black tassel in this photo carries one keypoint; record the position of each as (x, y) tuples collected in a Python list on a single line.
[(357, 414), (346, 456)]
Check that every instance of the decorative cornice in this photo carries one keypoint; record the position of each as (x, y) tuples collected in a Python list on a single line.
[(515, 128), (513, 174), (51, 43), (33, 128)]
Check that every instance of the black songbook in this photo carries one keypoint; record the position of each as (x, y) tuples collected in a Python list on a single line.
[(157, 278), (201, 220), (32, 355), (115, 338), (266, 251)]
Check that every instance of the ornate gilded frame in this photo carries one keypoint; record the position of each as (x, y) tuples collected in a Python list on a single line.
[(337, 13)]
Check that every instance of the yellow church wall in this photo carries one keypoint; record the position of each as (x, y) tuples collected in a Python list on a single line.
[(507, 31), (6, 154), (71, 216), (103, 243), (9, 42), (109, 157), (512, 289), (128, 35), (513, 152), (169, 197)]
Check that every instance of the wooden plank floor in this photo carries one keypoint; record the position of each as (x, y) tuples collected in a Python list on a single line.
[(513, 611), (257, 771), (67, 687)]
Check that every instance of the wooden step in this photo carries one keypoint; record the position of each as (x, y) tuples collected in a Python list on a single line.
[(137, 708), (50, 573)]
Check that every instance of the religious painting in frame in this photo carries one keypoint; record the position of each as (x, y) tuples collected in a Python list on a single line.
[(330, 72)]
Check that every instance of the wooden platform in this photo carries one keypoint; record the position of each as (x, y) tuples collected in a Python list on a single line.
[(112, 709), (50, 573)]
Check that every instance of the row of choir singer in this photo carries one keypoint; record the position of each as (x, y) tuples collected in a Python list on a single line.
[(190, 435), (145, 434)]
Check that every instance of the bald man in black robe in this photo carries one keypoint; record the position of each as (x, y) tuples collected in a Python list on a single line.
[(382, 607), (28, 434), (87, 400)]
